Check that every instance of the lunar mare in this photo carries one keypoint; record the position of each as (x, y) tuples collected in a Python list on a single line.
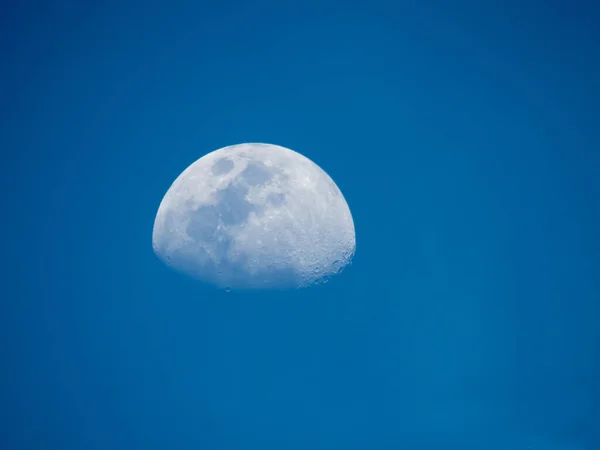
[(255, 216)]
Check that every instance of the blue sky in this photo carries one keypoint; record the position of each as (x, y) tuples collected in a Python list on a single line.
[(465, 140)]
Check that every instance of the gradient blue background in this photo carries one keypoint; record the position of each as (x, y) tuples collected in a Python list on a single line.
[(465, 139)]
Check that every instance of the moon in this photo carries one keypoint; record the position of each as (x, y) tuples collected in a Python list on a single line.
[(255, 216)]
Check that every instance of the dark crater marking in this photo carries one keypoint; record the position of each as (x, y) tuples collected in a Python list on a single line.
[(276, 198), (222, 166), (256, 174)]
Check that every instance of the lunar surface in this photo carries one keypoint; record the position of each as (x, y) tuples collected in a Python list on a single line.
[(255, 216)]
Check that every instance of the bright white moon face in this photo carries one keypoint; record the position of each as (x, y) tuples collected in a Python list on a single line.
[(255, 216)]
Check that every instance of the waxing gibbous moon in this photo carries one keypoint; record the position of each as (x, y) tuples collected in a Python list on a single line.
[(255, 216)]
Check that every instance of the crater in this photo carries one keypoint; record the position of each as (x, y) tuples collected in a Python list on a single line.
[(203, 224), (256, 174), (206, 221), (232, 206), (222, 166), (275, 198)]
